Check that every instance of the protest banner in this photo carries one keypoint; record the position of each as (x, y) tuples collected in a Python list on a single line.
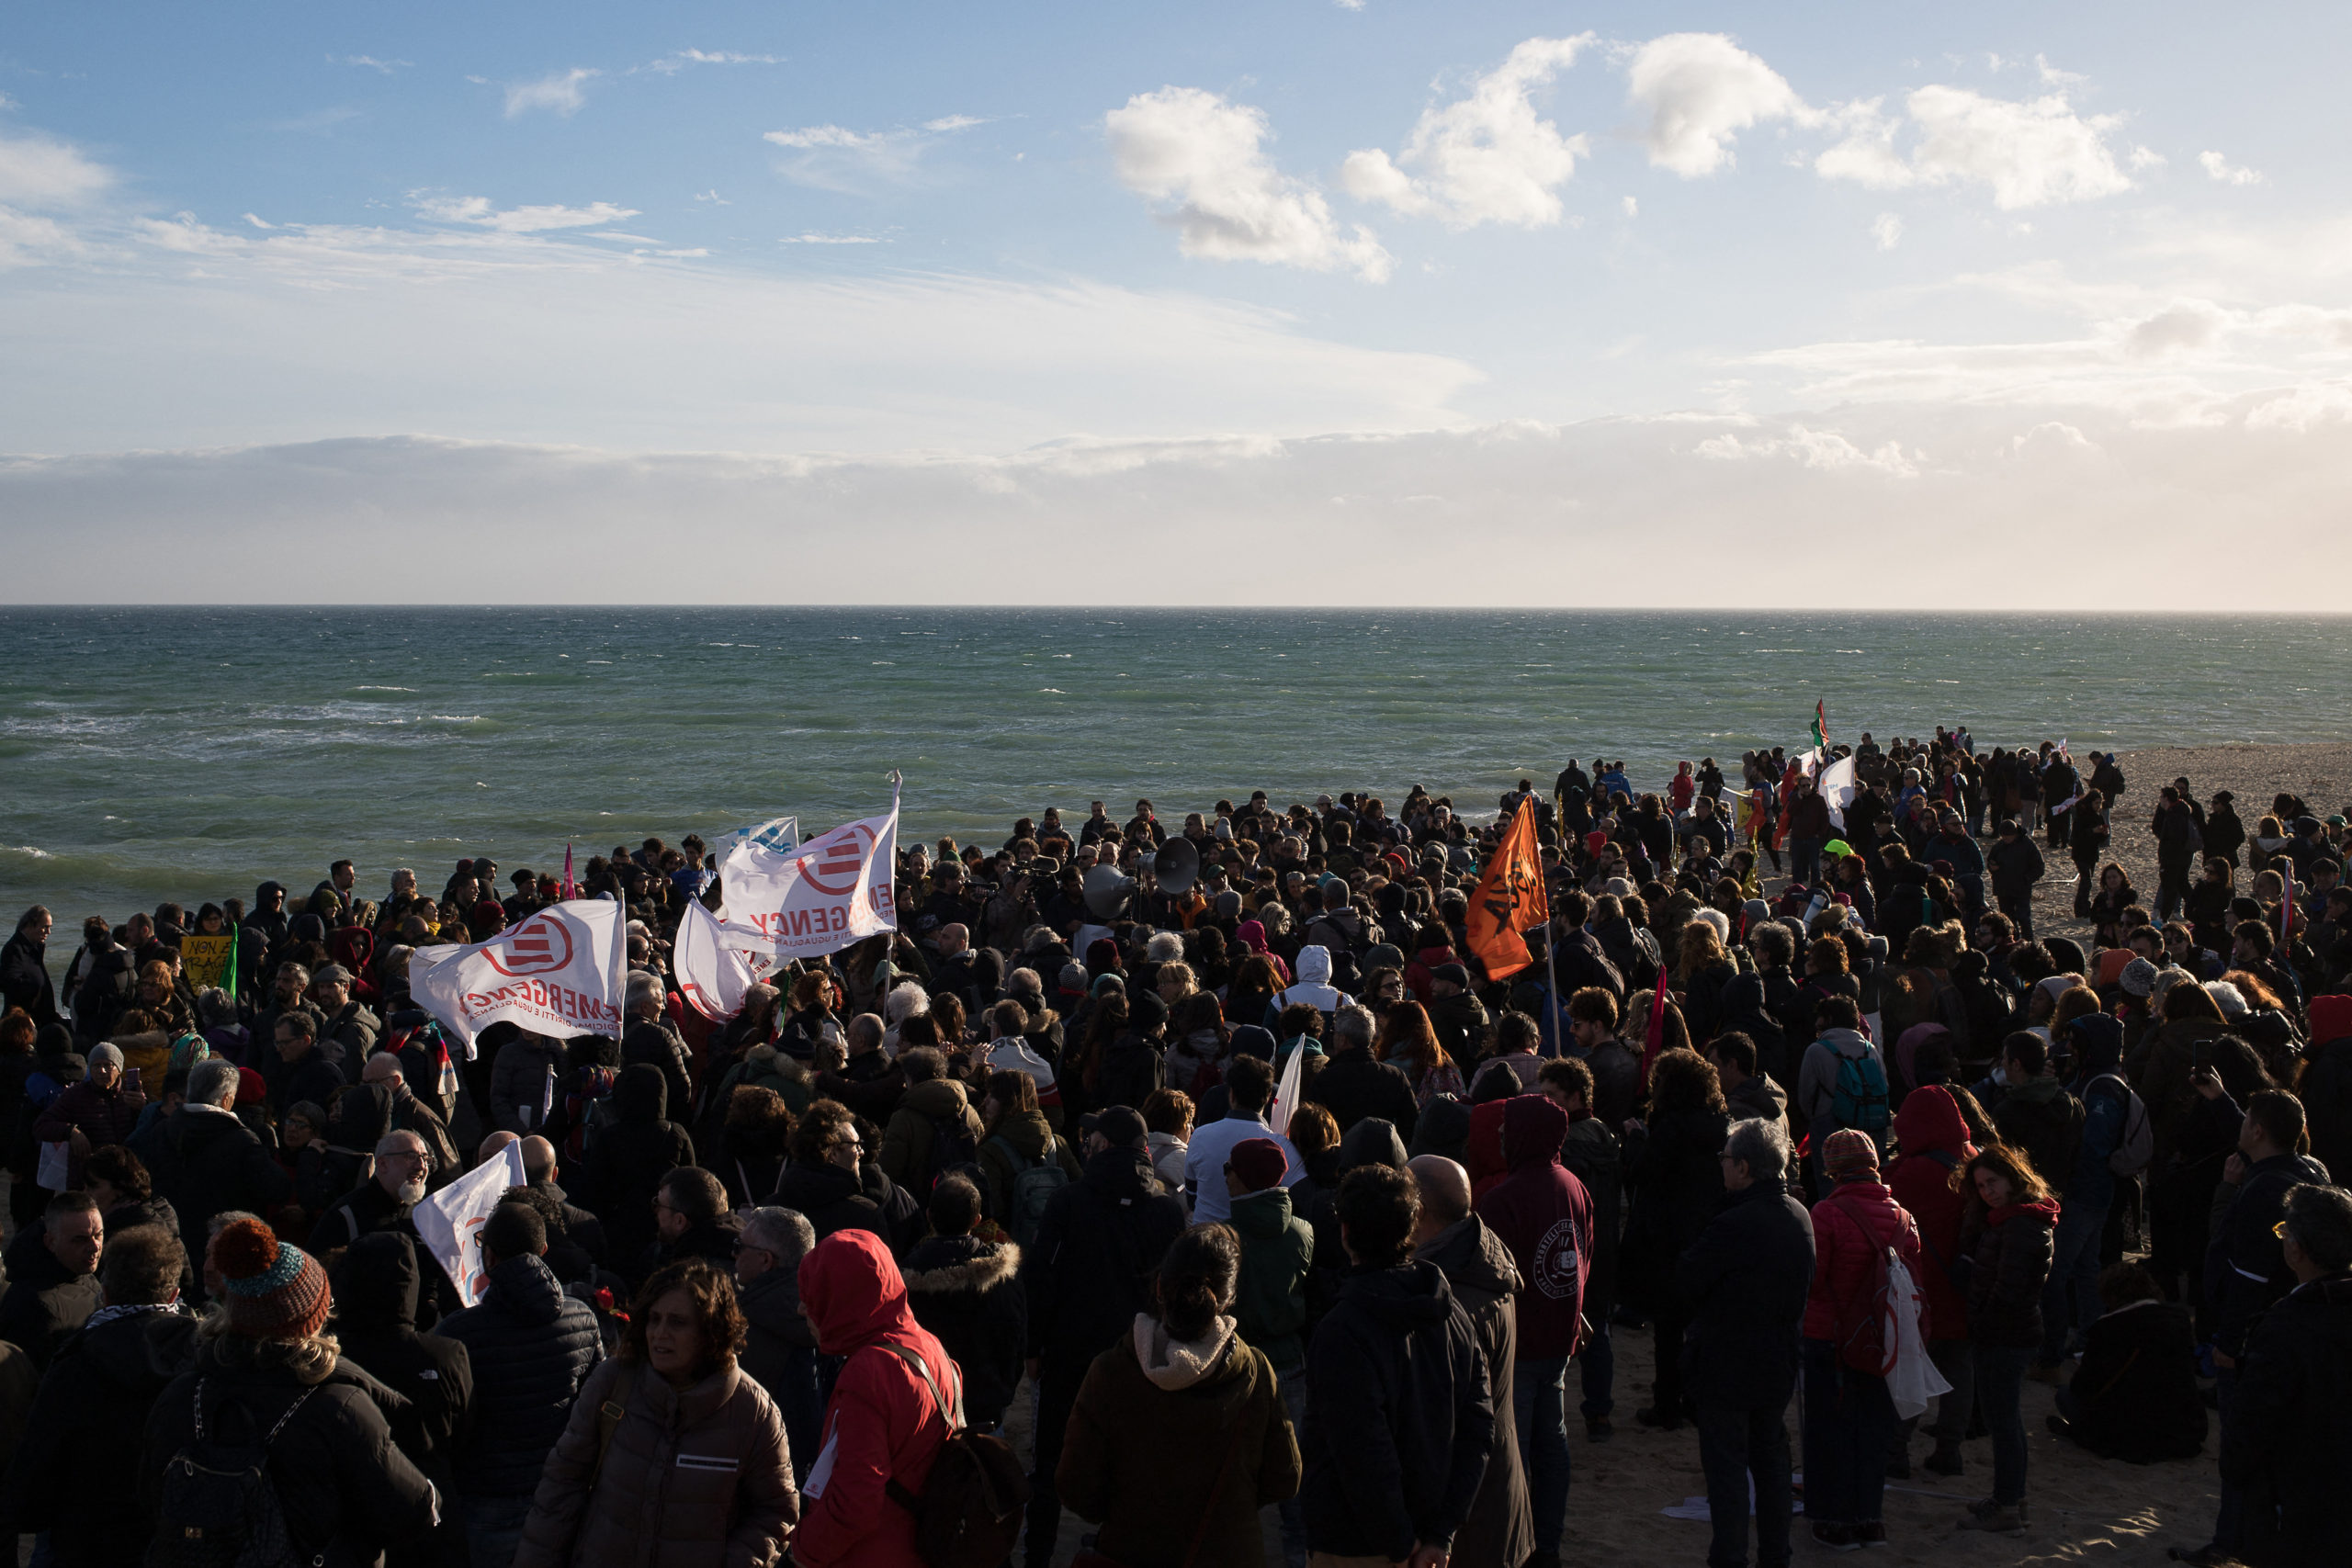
[(559, 972), (817, 898), (712, 975), (449, 1222), (210, 960)]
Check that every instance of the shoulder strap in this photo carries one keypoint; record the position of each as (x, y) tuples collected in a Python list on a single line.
[(954, 1417), (608, 1420)]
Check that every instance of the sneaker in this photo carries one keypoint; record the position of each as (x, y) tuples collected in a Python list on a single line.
[(1664, 1420), (1871, 1532), (1836, 1538), (1984, 1506), (1999, 1518), (2051, 1372), (1598, 1429), (1944, 1461)]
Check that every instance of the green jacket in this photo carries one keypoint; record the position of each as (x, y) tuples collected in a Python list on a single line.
[(1269, 1302)]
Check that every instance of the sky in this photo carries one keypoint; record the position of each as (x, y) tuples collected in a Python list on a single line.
[(1884, 305)]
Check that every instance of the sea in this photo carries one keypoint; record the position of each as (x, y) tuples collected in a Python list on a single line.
[(154, 753)]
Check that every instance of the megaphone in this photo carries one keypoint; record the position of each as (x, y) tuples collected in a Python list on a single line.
[(1176, 867), (1108, 893)]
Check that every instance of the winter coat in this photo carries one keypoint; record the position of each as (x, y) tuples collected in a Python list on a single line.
[(1677, 1178), (1277, 1252), (530, 1348), (104, 1116), (1132, 1067), (346, 1492), (44, 1304), (1478, 1269), (883, 1423), (1592, 1153), (2042, 1120), (835, 1200), (656, 1045), (1745, 1281), (1544, 1214), (310, 1078), (521, 1080), (2137, 1385), (1400, 1418), (1853, 1225), (217, 1164), (1028, 1135), (967, 1292), (2288, 1441), (1934, 1140), (375, 1302), (2017, 865), (94, 1400), (627, 1160), (908, 1141), (696, 1477), (24, 978), (1817, 1079), (1352, 1087), (1171, 1443), (2010, 1251), (2245, 1264), (1089, 1271)]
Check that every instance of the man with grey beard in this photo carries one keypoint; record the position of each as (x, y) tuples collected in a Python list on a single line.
[(403, 1167)]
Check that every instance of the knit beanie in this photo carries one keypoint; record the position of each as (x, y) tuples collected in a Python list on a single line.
[(2139, 978), (1259, 1163), (273, 1290), (1850, 1155)]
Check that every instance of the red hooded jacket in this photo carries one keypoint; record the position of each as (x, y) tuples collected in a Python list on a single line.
[(1544, 1214), (1483, 1155), (1933, 1137), (882, 1424), (1850, 1228)]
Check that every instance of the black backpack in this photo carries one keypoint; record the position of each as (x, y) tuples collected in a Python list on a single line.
[(969, 1511), (220, 1508), (953, 1152)]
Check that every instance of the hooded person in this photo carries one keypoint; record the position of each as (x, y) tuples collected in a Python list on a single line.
[(266, 1376), (1314, 987), (1933, 1137), (629, 1159), (1478, 1269), (1372, 1141), (888, 1414), (375, 1283), (967, 1291), (1544, 1214)]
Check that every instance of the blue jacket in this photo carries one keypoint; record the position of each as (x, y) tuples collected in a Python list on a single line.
[(2092, 1186)]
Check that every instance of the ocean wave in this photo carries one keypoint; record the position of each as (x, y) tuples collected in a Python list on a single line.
[(26, 850), (383, 688)]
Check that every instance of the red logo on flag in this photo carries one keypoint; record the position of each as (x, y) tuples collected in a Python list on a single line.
[(540, 945), (835, 869)]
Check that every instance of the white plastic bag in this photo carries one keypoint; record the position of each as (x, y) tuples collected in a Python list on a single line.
[(56, 1168), (1914, 1379)]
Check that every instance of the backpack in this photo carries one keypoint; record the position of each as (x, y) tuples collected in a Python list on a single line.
[(969, 1511), (220, 1508), (2136, 1145), (1859, 1098), (953, 1152), (589, 1109), (1874, 1340), (1034, 1186)]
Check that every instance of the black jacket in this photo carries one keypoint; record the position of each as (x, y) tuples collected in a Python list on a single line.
[(1479, 1270), (368, 1210), (1089, 1269), (2245, 1265), (24, 979), (575, 1236), (1400, 1416), (2288, 1438), (376, 1287), (1581, 960), (1678, 1179), (832, 1199), (95, 1400), (1745, 1280), (311, 1077), (627, 1160), (531, 1347), (345, 1490), (656, 1045), (967, 1292), (2137, 1385), (216, 1164), (1132, 1067), (1352, 1087), (44, 1304)]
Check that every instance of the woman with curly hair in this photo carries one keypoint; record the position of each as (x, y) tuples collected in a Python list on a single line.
[(1678, 1184), (695, 1468)]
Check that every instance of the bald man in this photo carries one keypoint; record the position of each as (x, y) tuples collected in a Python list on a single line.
[(575, 1238), (1476, 1263), (411, 1114)]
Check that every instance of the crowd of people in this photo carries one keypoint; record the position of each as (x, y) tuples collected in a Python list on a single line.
[(1253, 1186)]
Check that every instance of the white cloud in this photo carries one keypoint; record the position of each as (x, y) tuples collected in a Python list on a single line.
[(477, 211), (2220, 168), (2145, 158), (368, 61), (1202, 159), (2032, 154), (671, 64), (257, 222), (1633, 206), (2053, 77), (42, 172), (562, 93), (829, 240), (953, 122), (1486, 158), (833, 157), (1823, 449), (1700, 90), (29, 240), (1887, 229)]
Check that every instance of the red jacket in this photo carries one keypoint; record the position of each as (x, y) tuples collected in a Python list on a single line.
[(882, 1424), (1544, 1214), (1929, 1125), (1850, 1228), (1484, 1153)]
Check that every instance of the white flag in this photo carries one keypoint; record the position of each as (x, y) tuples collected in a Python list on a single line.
[(1836, 787), (712, 975), (451, 1221), (559, 972), (833, 890), (781, 834)]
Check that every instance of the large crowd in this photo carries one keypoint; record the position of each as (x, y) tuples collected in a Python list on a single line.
[(1239, 1179)]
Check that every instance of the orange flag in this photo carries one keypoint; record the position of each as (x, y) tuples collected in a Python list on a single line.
[(1509, 900)]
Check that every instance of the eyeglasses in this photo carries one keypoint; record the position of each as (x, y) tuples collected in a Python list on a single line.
[(2280, 1230)]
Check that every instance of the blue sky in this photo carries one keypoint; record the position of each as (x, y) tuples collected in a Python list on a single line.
[(1537, 277)]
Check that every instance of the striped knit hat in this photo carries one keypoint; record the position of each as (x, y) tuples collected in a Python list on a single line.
[(272, 1290), (1850, 1155)]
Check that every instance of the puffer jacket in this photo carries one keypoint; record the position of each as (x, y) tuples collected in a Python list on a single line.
[(915, 1129), (1933, 1137), (882, 1423), (96, 1399), (345, 1490), (1544, 1214), (530, 1348), (1171, 1442), (521, 1080), (696, 1477), (1851, 1227), (376, 1291), (968, 1291), (2011, 1246)]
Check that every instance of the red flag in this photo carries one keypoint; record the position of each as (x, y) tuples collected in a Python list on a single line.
[(2287, 904), (568, 891), (1654, 1041)]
